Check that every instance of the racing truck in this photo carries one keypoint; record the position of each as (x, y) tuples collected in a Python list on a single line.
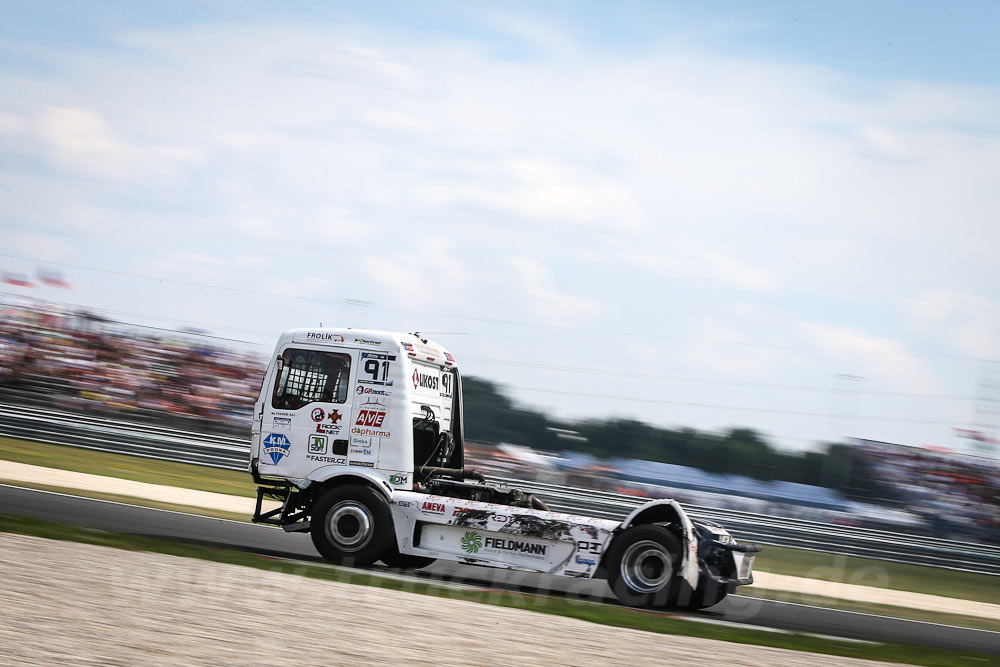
[(359, 437)]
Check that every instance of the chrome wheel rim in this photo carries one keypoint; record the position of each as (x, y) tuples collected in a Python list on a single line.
[(350, 525), (646, 566)]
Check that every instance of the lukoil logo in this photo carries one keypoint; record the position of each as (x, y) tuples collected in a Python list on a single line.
[(424, 380), (276, 445), (471, 542)]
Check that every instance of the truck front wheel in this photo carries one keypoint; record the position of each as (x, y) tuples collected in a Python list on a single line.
[(642, 565), (352, 525)]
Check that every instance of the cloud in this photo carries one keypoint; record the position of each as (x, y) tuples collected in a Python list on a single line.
[(425, 276), (83, 142), (549, 305), (967, 322), (548, 191), (44, 247), (710, 267), (883, 359), (886, 142)]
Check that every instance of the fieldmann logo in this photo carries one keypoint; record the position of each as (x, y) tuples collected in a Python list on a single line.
[(471, 542)]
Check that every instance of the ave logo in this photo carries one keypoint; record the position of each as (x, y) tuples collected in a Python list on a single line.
[(370, 418), (371, 413), (276, 445)]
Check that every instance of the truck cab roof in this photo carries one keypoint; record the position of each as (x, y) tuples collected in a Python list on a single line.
[(407, 344)]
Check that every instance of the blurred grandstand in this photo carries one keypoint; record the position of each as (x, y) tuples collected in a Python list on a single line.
[(78, 361), (74, 360)]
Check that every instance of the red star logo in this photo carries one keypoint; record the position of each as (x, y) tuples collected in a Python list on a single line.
[(416, 379), (334, 416)]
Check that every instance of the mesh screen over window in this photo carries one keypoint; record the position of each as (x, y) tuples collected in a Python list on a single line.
[(310, 376)]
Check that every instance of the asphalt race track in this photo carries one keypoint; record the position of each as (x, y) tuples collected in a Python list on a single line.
[(274, 542)]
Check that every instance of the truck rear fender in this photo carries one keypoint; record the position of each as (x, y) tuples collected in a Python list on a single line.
[(338, 475), (670, 511)]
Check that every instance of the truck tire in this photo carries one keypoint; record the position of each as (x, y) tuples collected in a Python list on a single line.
[(642, 564), (352, 525), (708, 594)]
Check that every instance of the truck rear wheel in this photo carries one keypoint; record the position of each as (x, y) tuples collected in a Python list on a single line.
[(352, 525), (642, 565)]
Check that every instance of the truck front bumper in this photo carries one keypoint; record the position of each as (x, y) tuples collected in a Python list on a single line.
[(741, 573)]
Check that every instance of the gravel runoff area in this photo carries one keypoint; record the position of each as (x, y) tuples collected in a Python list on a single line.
[(71, 603)]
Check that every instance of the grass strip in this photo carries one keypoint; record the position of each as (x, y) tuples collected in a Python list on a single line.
[(892, 611), (124, 466), (879, 574), (596, 613)]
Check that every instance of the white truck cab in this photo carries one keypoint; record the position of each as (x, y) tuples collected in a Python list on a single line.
[(359, 434)]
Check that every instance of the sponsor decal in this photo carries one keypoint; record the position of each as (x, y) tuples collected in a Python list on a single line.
[(282, 422), (335, 416), (472, 542), (398, 479), (358, 441), (520, 546), (426, 350), (370, 418), (327, 428), (378, 355), (425, 380), (371, 432), (317, 444), (366, 341), (588, 547), (361, 451), (499, 518), (432, 508), (282, 413), (585, 561), (276, 445), (574, 573), (328, 337), (402, 503), (339, 460), (448, 357), (371, 413), (318, 415), (363, 464), (369, 391)]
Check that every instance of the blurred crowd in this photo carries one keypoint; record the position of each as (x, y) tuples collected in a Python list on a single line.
[(958, 495), (82, 362)]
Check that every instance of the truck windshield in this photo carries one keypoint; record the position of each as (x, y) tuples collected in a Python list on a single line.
[(308, 376)]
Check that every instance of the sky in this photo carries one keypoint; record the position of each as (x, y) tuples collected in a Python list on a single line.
[(775, 215)]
